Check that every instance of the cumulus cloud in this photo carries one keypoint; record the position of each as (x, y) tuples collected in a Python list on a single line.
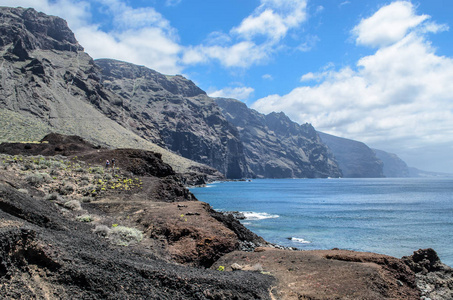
[(255, 39), (240, 93), (143, 36), (400, 97), (389, 25), (242, 54)]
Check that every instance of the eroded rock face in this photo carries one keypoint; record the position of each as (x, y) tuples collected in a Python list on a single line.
[(276, 147), (355, 159), (434, 279), (47, 74), (24, 30), (50, 82), (180, 115), (393, 165)]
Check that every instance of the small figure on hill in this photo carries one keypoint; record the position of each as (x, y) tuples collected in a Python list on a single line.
[(113, 165), (107, 164)]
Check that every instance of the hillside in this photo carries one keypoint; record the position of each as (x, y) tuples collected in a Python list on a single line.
[(276, 147), (174, 113), (355, 159), (393, 165), (49, 84), (72, 229)]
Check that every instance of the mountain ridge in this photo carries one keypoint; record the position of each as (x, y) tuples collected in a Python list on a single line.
[(49, 81), (60, 90), (180, 115), (276, 147)]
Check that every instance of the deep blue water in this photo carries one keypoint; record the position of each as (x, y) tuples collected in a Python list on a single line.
[(388, 216)]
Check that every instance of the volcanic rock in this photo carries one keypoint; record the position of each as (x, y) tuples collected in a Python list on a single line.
[(355, 159), (180, 116), (393, 165), (276, 147), (49, 84)]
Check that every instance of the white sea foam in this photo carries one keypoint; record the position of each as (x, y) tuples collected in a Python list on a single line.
[(300, 240), (250, 215)]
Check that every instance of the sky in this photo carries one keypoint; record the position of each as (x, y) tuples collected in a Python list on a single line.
[(376, 71)]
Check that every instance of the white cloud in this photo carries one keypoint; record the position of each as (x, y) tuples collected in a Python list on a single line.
[(128, 18), (309, 76), (390, 24), (398, 99), (273, 19), (244, 46), (266, 23), (240, 93), (143, 36), (242, 54), (267, 77)]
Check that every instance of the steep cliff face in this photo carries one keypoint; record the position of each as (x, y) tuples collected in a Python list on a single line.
[(276, 147), (393, 165), (356, 160), (49, 82), (180, 115)]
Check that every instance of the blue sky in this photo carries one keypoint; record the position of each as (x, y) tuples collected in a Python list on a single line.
[(376, 71)]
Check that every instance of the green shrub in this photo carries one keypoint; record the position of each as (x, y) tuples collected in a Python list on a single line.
[(85, 218), (73, 205), (38, 179), (54, 172), (124, 236), (80, 170), (96, 170), (102, 230), (85, 199), (58, 165), (52, 196), (28, 166), (66, 189)]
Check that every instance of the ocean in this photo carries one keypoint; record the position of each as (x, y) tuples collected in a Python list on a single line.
[(389, 216)]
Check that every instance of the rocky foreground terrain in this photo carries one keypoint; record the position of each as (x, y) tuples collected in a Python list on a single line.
[(70, 228)]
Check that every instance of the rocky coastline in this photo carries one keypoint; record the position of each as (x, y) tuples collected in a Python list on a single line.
[(72, 228)]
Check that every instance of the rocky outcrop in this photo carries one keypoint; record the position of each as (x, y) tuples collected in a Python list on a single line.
[(355, 159), (25, 30), (46, 254), (393, 165), (48, 81), (434, 279), (276, 147), (174, 113)]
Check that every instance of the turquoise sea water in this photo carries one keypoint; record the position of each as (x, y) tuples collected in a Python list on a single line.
[(388, 216)]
